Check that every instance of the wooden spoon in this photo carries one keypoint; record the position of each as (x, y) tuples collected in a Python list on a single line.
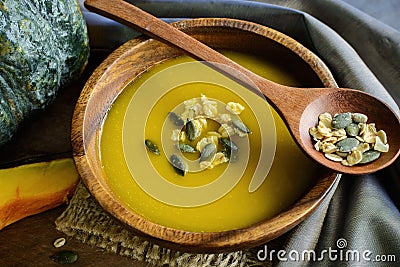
[(299, 107)]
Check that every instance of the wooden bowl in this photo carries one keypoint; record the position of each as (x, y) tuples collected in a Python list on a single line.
[(138, 55)]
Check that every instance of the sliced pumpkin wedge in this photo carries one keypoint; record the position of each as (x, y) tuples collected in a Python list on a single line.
[(33, 188)]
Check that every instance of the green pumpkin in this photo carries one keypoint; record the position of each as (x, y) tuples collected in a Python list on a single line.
[(43, 46)]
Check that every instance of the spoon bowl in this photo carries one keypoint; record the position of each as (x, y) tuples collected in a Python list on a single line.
[(348, 100), (299, 107)]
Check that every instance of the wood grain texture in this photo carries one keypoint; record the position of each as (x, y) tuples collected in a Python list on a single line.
[(109, 80), (29, 243), (292, 103)]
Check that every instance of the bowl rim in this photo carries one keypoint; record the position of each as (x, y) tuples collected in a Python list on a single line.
[(83, 145)]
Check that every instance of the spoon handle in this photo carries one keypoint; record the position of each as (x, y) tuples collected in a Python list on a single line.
[(134, 17)]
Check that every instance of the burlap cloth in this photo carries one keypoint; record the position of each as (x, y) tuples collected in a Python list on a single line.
[(86, 221), (361, 52)]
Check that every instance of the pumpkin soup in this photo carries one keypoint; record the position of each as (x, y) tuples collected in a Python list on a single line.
[(269, 174)]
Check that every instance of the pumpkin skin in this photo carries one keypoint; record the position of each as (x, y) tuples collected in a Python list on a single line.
[(43, 46)]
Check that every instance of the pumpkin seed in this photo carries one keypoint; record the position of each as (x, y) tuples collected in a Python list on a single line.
[(179, 164), (193, 122), (339, 133), (331, 139), (186, 148), (382, 135), (363, 127), (353, 129), (342, 120), (228, 144), (342, 154), (380, 146), (219, 159), (230, 149), (369, 137), (363, 147), (193, 129), (210, 108), (317, 145), (359, 118), (225, 130), (345, 163), (212, 133), (326, 119), (65, 257), (371, 128), (178, 136), (333, 157), (238, 124), (208, 152), (354, 157), (327, 147), (206, 140), (370, 156), (152, 147), (359, 138), (325, 131), (59, 242), (315, 133), (346, 145), (231, 156), (234, 108), (349, 139), (176, 119), (225, 117)]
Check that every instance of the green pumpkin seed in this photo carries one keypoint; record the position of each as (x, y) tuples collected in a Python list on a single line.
[(226, 153), (349, 137), (238, 124), (232, 156), (176, 119), (186, 148), (342, 120), (179, 164), (65, 257), (359, 118), (342, 154), (353, 129), (230, 149), (228, 144), (369, 156), (208, 152), (346, 145), (152, 147), (193, 129)]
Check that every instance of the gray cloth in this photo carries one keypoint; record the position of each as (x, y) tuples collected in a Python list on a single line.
[(363, 53)]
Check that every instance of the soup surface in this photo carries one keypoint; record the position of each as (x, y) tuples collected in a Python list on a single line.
[(216, 199)]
